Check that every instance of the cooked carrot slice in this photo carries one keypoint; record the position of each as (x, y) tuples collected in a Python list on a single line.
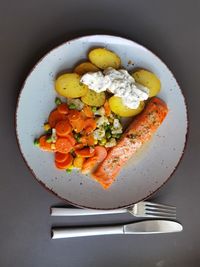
[(85, 152), (65, 164), (83, 116), (74, 115), (77, 125), (44, 145), (87, 140), (63, 128), (90, 140), (63, 108), (71, 139), (78, 162), (83, 140), (63, 145), (107, 108), (78, 146), (88, 111), (55, 117), (99, 155), (60, 157), (89, 130), (90, 125), (76, 120)]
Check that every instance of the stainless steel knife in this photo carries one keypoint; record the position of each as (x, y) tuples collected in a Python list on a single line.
[(143, 227)]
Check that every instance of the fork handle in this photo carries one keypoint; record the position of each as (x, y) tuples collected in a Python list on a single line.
[(57, 233), (56, 211)]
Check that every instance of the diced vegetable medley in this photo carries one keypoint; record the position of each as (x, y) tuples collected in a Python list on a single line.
[(86, 124)]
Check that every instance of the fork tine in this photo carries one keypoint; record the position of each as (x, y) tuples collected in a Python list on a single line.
[(158, 205), (161, 217), (165, 210), (158, 213)]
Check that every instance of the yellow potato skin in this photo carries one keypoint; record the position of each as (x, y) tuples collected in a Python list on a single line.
[(94, 99), (117, 107), (149, 80), (85, 67), (103, 58), (68, 85)]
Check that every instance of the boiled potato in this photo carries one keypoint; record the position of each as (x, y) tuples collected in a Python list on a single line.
[(85, 67), (104, 58), (68, 85), (117, 106), (94, 99), (149, 80)]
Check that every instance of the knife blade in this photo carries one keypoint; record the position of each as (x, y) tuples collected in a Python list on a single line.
[(143, 227)]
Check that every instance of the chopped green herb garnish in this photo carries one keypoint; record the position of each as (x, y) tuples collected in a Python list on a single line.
[(77, 136), (132, 136), (68, 170), (72, 106), (108, 134), (107, 127), (117, 136), (94, 109), (103, 142), (36, 142), (49, 139), (58, 101)]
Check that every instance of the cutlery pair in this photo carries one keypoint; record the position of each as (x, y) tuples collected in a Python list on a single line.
[(143, 209)]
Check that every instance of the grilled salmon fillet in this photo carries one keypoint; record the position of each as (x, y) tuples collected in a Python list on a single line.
[(140, 131)]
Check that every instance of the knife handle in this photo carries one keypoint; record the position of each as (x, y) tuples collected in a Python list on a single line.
[(58, 233), (56, 211)]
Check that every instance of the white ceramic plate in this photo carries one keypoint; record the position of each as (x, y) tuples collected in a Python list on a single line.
[(146, 172)]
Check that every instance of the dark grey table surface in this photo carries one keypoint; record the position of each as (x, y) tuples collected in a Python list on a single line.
[(28, 30)]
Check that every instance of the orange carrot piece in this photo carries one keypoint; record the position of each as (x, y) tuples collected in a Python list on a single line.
[(65, 164), (85, 152), (71, 139), (87, 140), (63, 128), (89, 130), (44, 145), (60, 157), (100, 153), (90, 140), (88, 111), (74, 115), (55, 117), (89, 125), (63, 145), (78, 146), (76, 120), (107, 108), (63, 108), (83, 140), (77, 125)]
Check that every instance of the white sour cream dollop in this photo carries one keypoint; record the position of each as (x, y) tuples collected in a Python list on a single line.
[(118, 82)]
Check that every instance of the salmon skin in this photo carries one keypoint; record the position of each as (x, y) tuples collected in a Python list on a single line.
[(139, 132)]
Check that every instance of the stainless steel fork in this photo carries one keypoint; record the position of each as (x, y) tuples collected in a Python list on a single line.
[(141, 209)]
